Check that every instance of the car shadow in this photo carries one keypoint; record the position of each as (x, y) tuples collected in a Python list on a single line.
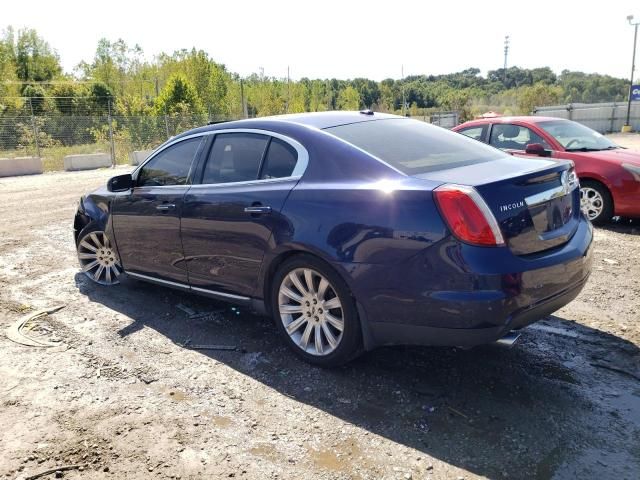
[(629, 226), (496, 412)]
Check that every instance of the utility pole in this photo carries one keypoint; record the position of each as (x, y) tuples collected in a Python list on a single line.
[(404, 102), (245, 112), (627, 126), (111, 143), (34, 126), (506, 53), (288, 91)]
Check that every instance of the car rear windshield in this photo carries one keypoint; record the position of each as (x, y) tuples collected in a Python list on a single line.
[(415, 147)]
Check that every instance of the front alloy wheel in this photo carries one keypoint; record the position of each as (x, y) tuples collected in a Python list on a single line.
[(591, 202), (98, 258), (595, 202)]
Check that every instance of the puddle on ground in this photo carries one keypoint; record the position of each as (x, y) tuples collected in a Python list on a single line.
[(178, 396), (220, 421), (338, 459), (265, 450)]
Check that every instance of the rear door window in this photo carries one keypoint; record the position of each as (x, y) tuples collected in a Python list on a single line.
[(280, 161), (415, 147), (477, 133), (506, 136), (235, 157)]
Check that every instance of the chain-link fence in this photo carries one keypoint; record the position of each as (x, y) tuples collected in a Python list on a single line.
[(53, 127), (29, 127)]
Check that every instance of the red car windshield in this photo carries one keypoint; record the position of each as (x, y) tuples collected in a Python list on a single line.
[(575, 137)]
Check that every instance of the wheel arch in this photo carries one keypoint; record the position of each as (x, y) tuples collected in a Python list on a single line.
[(88, 212), (603, 182), (271, 267)]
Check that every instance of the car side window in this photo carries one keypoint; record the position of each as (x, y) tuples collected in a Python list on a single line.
[(235, 157), (477, 133), (280, 161), (513, 137), (171, 166)]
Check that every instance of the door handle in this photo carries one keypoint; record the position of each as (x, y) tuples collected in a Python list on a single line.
[(259, 209), (165, 207)]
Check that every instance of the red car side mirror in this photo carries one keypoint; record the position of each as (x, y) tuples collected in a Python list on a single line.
[(537, 149)]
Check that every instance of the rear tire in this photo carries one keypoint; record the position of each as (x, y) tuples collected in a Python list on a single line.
[(596, 202), (315, 312)]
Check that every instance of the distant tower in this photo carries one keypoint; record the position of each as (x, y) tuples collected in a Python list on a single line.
[(506, 52)]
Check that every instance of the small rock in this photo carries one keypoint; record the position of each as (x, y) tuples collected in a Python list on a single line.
[(430, 466), (58, 474), (610, 261), (408, 476)]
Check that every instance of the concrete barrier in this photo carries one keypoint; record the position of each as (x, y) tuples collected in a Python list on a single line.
[(10, 167), (139, 156), (88, 161)]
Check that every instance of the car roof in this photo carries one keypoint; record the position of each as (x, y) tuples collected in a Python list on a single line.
[(330, 119), (520, 118), (318, 120)]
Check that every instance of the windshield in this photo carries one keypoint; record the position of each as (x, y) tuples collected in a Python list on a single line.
[(575, 137), (415, 147)]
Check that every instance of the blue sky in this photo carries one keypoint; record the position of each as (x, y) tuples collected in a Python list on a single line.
[(346, 39)]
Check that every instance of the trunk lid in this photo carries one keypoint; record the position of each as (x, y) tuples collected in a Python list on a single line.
[(536, 202)]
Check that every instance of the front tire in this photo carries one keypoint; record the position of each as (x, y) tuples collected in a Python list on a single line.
[(98, 257), (315, 312), (596, 202)]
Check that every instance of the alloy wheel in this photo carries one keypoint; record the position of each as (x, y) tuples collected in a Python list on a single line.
[(591, 202), (98, 258), (311, 311)]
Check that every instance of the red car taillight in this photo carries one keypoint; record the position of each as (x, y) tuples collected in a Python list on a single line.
[(467, 215)]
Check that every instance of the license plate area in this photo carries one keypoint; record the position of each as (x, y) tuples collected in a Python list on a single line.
[(552, 215)]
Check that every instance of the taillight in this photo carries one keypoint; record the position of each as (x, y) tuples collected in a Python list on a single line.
[(467, 215)]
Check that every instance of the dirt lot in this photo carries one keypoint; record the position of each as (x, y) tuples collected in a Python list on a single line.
[(124, 398)]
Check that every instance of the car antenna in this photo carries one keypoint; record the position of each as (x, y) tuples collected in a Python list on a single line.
[(366, 112)]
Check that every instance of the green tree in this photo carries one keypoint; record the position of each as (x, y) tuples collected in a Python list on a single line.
[(538, 95), (35, 60), (349, 99), (177, 97)]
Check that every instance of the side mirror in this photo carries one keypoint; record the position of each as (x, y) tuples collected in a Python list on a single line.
[(537, 149), (121, 183)]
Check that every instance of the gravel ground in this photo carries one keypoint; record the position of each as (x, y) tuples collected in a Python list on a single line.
[(123, 397)]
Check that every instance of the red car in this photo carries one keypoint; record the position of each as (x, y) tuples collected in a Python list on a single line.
[(609, 174)]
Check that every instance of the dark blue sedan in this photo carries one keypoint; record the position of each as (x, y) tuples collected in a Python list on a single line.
[(352, 229)]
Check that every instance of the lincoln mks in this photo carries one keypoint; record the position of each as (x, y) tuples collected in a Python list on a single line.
[(351, 229)]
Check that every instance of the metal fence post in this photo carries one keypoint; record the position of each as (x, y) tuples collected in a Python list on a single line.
[(613, 116), (111, 143), (34, 126)]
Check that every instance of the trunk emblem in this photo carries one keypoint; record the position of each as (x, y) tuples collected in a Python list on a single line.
[(511, 206), (568, 183)]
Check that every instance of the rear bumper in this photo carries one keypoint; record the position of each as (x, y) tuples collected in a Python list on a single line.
[(457, 295), (384, 333)]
